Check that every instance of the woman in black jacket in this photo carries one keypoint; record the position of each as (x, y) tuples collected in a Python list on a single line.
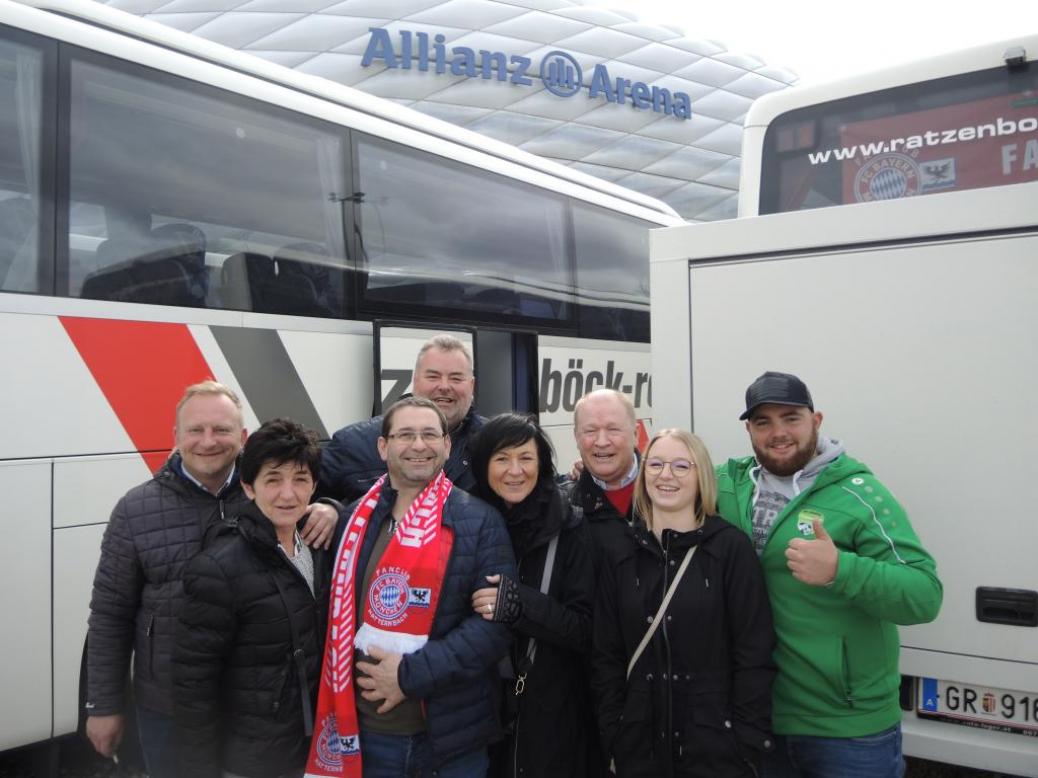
[(696, 701), (547, 700), (247, 651)]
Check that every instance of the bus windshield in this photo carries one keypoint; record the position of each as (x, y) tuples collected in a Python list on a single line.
[(967, 131)]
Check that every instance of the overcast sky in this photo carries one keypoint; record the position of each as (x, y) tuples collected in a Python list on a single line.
[(824, 39)]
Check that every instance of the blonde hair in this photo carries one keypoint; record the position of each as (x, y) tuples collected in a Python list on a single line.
[(210, 387), (706, 500)]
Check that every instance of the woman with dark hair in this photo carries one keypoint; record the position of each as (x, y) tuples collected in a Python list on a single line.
[(248, 644), (681, 665), (548, 607)]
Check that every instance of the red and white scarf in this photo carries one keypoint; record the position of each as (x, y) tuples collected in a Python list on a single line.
[(398, 615)]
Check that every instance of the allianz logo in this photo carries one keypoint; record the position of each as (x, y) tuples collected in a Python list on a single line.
[(559, 71)]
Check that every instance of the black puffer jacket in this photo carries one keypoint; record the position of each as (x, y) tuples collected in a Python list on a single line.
[(455, 673), (153, 531), (698, 702), (237, 690), (350, 463), (551, 729)]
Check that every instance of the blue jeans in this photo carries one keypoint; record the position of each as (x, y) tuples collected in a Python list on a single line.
[(155, 731), (410, 756), (803, 756)]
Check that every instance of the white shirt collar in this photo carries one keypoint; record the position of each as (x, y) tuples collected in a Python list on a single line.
[(187, 474), (626, 481)]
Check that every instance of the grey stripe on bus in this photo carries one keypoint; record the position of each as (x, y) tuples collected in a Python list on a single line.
[(267, 376)]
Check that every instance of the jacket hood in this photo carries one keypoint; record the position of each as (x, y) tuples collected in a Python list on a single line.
[(677, 541), (826, 452), (838, 468)]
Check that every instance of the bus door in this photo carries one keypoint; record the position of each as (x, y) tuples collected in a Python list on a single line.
[(505, 364)]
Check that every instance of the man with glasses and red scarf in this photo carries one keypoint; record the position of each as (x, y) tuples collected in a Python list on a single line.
[(410, 671)]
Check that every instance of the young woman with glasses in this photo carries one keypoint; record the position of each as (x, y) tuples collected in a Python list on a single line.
[(685, 692)]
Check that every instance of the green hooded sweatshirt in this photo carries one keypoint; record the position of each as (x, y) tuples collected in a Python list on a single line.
[(837, 651)]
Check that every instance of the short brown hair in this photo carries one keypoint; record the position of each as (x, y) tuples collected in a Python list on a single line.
[(411, 402)]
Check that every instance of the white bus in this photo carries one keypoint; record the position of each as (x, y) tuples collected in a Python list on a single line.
[(913, 320), (965, 120), (171, 210)]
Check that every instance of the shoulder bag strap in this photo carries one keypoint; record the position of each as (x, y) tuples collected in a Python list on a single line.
[(663, 609), (531, 646)]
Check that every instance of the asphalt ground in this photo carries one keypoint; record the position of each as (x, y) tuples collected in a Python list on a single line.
[(78, 761)]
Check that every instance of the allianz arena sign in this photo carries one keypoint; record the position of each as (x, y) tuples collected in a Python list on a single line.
[(559, 71)]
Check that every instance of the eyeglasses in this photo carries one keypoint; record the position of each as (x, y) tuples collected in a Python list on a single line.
[(410, 436), (679, 468)]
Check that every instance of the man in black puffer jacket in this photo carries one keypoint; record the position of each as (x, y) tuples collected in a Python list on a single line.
[(247, 653), (153, 531)]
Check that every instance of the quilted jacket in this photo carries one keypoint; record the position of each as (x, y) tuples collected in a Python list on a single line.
[(238, 684), (153, 531)]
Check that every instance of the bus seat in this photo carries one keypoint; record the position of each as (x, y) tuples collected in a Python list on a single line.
[(114, 257), (245, 280), (187, 244), (132, 272), (304, 288)]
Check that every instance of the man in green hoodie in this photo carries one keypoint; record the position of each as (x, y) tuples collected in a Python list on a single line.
[(843, 567)]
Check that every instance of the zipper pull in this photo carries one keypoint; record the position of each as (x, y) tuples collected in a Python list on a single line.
[(520, 685)]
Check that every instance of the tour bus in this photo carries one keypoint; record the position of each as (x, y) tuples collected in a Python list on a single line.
[(887, 252), (172, 210)]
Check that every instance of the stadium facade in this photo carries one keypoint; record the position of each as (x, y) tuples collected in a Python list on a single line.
[(643, 105)]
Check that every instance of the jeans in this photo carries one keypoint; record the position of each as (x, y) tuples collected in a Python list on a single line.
[(410, 756), (155, 731), (803, 756)]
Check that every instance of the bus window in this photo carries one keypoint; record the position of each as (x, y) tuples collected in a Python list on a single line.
[(612, 274), (22, 269), (437, 235), (183, 195), (962, 132)]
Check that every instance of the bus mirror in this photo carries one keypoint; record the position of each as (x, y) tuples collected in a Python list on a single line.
[(1015, 57)]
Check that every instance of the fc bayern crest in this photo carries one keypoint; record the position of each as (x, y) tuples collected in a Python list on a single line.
[(388, 597), (328, 752), (887, 177)]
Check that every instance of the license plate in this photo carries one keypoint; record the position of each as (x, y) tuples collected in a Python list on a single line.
[(978, 706)]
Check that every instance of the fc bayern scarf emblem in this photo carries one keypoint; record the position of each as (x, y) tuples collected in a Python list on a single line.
[(398, 615)]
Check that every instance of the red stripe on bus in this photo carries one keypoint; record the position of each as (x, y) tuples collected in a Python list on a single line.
[(643, 436), (142, 368)]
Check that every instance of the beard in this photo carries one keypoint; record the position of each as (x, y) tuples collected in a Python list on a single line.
[(791, 464)]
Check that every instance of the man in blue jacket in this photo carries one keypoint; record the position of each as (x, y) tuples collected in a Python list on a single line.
[(350, 463), (419, 696)]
